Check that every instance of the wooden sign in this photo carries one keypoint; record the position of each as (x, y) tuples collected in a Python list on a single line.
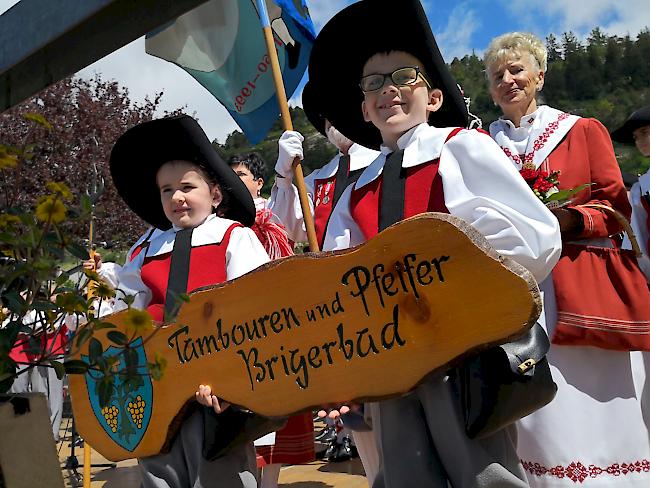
[(365, 323)]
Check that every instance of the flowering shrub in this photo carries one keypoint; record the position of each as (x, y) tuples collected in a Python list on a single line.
[(40, 301)]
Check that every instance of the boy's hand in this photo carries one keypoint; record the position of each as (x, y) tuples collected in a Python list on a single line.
[(334, 412), (205, 397), (94, 263), (289, 148)]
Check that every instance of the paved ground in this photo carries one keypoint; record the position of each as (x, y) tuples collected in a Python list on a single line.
[(318, 474)]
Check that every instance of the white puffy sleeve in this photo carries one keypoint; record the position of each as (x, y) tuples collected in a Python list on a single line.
[(128, 281), (244, 253), (640, 221), (342, 230), (484, 188), (285, 205)]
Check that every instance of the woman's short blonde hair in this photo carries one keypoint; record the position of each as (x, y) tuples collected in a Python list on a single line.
[(517, 44)]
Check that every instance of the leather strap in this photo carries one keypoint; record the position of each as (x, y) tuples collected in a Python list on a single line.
[(391, 208), (179, 270)]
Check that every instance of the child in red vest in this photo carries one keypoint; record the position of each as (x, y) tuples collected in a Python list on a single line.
[(168, 173), (392, 91)]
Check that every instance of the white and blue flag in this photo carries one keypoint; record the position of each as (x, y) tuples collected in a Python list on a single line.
[(221, 44)]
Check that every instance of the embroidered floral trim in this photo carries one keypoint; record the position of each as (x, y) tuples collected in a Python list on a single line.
[(539, 142), (578, 472)]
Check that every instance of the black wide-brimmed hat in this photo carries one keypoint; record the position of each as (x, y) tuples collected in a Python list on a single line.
[(360, 31), (142, 150), (313, 107), (638, 119)]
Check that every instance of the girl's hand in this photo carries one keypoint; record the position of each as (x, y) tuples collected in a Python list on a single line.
[(205, 397)]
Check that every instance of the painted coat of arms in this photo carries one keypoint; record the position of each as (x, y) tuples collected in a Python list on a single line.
[(126, 416)]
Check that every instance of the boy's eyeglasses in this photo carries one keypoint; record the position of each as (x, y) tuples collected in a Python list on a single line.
[(399, 77)]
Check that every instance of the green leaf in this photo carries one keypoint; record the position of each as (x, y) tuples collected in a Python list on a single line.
[(95, 350), (38, 118), (565, 194), (59, 369), (86, 204), (14, 302), (103, 325), (83, 336), (75, 366), (118, 337), (130, 358), (42, 306), (105, 390), (7, 373), (78, 251)]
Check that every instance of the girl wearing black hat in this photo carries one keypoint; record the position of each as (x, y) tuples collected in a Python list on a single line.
[(168, 173), (394, 92), (637, 129)]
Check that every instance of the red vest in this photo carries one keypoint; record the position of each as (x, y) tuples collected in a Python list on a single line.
[(423, 193), (323, 201), (207, 267)]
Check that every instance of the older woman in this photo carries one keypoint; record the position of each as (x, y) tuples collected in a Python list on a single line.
[(593, 433)]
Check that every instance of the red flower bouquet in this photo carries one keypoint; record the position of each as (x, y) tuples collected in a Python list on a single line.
[(545, 187)]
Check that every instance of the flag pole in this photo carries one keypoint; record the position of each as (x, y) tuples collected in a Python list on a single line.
[(288, 125)]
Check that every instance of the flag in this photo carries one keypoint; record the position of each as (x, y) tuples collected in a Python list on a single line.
[(221, 44)]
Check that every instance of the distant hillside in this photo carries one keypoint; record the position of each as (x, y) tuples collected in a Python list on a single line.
[(607, 78)]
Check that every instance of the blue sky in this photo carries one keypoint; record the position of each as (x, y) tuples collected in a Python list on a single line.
[(459, 26)]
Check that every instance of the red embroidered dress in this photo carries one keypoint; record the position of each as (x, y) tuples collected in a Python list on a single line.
[(593, 433)]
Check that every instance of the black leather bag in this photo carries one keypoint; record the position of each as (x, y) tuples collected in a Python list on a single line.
[(232, 428), (505, 383)]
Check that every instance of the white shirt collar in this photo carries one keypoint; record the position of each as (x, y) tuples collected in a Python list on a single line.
[(360, 157), (538, 135), (211, 231), (421, 144)]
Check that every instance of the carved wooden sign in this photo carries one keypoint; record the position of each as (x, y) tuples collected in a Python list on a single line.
[(365, 323)]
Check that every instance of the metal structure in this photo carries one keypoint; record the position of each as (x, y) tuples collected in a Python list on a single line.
[(43, 41)]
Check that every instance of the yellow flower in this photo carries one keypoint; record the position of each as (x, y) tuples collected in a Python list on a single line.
[(60, 189), (70, 302), (138, 321), (51, 209), (101, 289), (7, 219)]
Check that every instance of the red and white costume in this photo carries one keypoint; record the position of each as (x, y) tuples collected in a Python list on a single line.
[(222, 250), (320, 183), (421, 436), (477, 185), (593, 433), (639, 200)]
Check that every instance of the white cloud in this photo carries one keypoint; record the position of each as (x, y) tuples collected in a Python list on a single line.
[(612, 16), (145, 75), (456, 38)]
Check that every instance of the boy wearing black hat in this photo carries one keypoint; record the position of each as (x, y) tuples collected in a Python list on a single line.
[(168, 173), (324, 185), (395, 93), (636, 129)]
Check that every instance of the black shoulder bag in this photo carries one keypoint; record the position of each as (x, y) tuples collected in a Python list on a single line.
[(498, 386)]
